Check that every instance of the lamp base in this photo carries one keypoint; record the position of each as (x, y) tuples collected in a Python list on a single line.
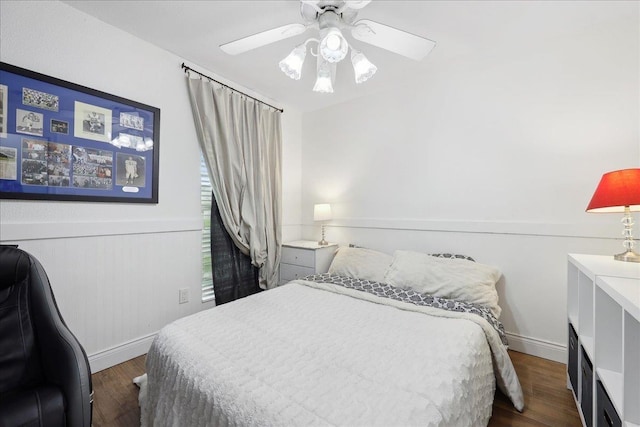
[(323, 242), (629, 256)]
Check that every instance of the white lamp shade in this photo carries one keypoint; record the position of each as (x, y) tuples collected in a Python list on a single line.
[(323, 85), (292, 64), (322, 212), (324, 79), (362, 67)]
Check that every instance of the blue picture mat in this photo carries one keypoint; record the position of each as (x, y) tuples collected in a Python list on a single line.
[(74, 143)]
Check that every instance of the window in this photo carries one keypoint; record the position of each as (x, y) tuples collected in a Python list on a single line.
[(205, 203)]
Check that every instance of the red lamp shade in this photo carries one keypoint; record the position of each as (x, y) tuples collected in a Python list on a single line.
[(617, 190)]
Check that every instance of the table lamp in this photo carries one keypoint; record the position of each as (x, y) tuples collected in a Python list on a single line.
[(322, 212), (619, 192)]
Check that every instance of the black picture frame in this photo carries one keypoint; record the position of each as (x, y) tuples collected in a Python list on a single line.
[(63, 141)]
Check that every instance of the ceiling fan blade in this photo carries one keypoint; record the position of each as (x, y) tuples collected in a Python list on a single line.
[(359, 4), (261, 39), (392, 39)]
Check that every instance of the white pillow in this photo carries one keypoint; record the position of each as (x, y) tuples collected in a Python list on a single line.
[(360, 263), (451, 278)]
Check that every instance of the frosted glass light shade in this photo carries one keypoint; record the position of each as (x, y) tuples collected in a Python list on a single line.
[(322, 212), (323, 85), (324, 79), (363, 68), (292, 64), (334, 46)]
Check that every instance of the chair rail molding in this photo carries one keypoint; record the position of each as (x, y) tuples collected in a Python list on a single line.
[(18, 231)]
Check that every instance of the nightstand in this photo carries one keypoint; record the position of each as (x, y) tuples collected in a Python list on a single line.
[(303, 257)]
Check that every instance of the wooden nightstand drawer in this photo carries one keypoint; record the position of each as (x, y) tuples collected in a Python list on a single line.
[(290, 272), (298, 256)]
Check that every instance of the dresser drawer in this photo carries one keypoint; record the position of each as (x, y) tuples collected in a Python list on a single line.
[(606, 413), (572, 367), (290, 272), (586, 400), (298, 256)]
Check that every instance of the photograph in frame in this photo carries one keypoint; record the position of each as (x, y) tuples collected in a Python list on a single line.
[(92, 168), (29, 122), (59, 164), (92, 122), (131, 121), (130, 170), (59, 126), (8, 163), (35, 98), (34, 162)]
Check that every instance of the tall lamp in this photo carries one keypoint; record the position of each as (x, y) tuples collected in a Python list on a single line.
[(322, 212), (619, 192)]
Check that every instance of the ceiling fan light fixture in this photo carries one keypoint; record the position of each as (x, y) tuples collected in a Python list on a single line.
[(333, 46), (363, 69), (292, 64), (329, 19)]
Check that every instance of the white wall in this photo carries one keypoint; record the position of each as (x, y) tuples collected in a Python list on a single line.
[(291, 175), (116, 268), (492, 156), (495, 155)]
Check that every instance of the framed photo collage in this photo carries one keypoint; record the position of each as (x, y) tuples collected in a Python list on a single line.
[(63, 141)]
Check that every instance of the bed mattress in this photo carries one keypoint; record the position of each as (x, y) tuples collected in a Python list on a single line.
[(310, 353)]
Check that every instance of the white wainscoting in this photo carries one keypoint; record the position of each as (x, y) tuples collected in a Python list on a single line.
[(531, 256), (117, 289)]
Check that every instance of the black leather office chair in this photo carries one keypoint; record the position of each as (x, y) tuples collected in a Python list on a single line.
[(45, 379)]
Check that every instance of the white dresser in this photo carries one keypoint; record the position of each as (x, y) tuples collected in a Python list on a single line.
[(303, 257), (603, 369)]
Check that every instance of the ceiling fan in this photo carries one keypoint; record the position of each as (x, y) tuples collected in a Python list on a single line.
[(331, 18)]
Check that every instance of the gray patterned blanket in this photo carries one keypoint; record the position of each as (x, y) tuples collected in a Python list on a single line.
[(406, 295)]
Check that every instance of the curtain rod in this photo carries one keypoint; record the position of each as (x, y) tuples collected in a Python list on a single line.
[(187, 69)]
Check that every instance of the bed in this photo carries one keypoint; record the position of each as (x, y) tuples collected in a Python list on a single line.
[(355, 346)]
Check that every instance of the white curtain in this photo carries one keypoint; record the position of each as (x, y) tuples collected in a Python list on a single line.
[(241, 141)]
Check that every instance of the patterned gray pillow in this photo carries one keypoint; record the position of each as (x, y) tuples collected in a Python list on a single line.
[(445, 255)]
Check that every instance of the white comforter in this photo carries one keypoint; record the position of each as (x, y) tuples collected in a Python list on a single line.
[(318, 354)]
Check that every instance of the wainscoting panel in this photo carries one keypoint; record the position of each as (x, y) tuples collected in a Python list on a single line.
[(532, 258), (116, 291)]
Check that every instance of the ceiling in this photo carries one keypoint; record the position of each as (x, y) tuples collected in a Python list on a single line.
[(193, 30)]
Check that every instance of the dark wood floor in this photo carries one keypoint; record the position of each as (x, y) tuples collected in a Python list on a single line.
[(547, 400)]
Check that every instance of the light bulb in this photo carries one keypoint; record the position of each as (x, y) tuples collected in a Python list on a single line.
[(333, 41)]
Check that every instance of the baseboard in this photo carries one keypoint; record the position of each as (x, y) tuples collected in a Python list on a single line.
[(121, 353), (536, 347), (134, 348)]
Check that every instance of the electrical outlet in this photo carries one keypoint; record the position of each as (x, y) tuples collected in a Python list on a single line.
[(183, 296)]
